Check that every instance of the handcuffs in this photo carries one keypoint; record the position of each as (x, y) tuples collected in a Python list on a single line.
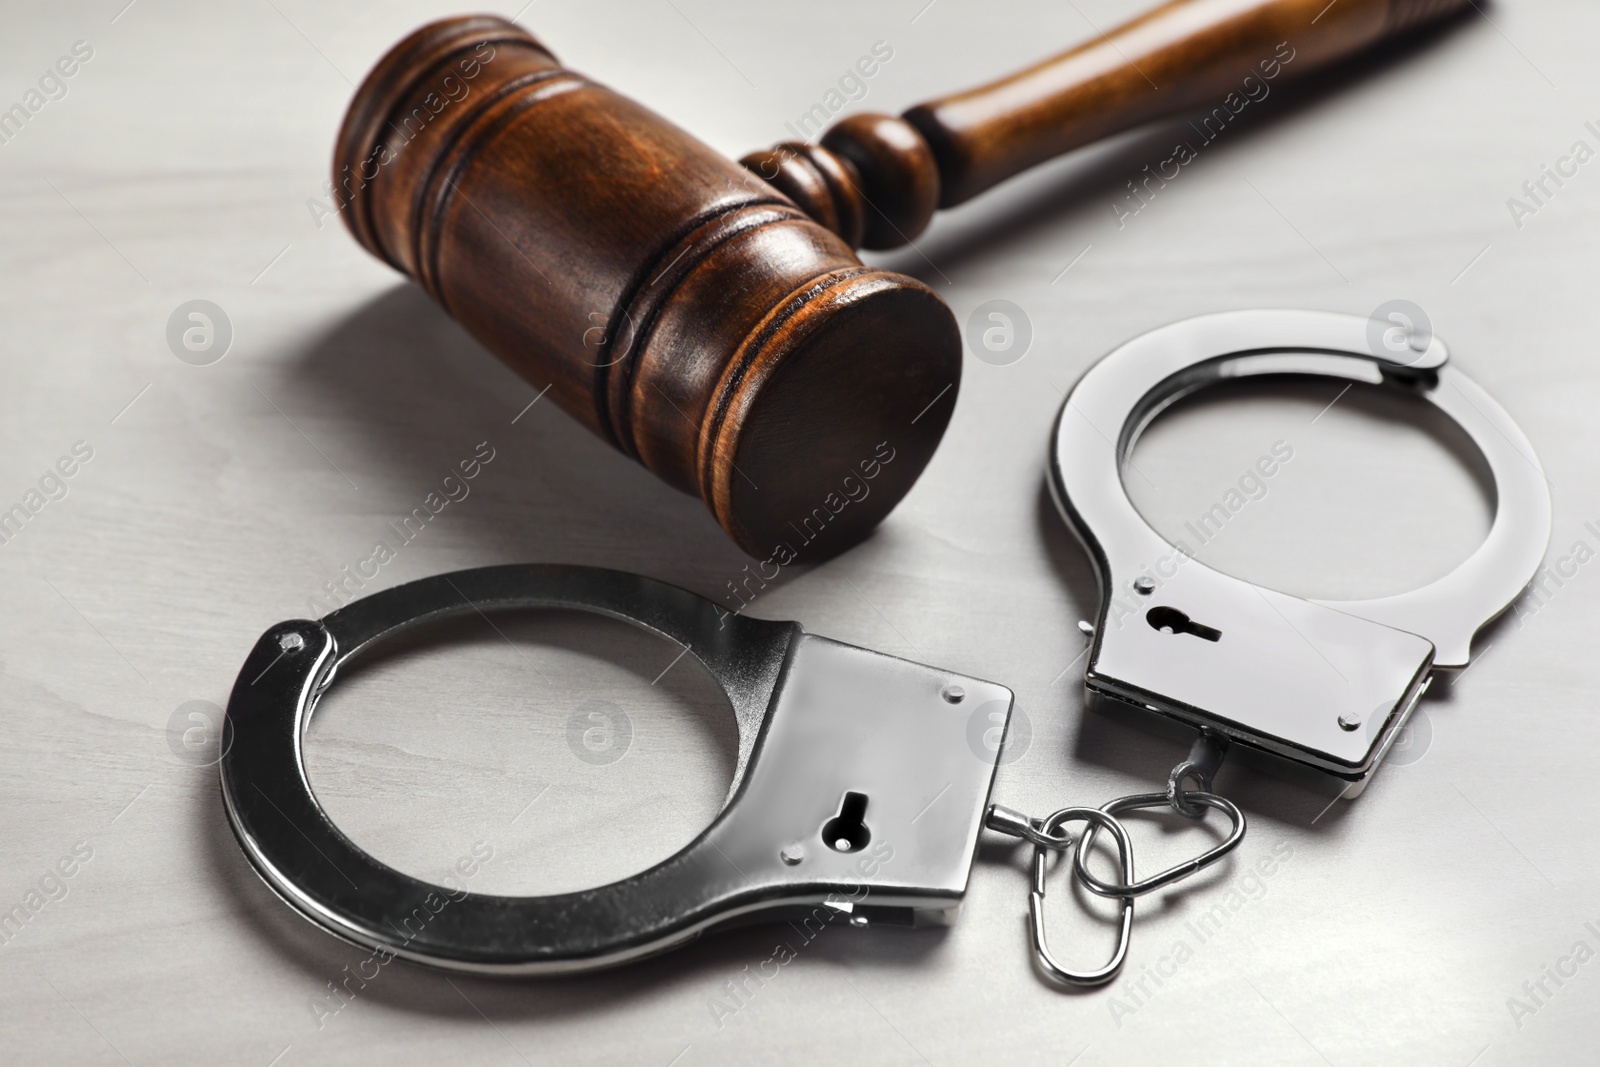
[(846, 755)]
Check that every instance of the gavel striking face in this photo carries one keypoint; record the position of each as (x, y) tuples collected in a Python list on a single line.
[(709, 318)]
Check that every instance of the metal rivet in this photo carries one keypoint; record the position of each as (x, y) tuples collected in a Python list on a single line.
[(1349, 721), (792, 854), (953, 694), (858, 920), (1144, 586), (291, 642)]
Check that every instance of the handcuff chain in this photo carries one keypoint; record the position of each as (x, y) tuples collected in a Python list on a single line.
[(1048, 835)]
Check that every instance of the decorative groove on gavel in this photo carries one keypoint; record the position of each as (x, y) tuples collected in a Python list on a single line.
[(711, 319)]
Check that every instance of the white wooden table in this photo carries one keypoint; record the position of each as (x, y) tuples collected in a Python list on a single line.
[(182, 160)]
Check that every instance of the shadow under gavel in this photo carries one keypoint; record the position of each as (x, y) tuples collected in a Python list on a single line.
[(709, 318)]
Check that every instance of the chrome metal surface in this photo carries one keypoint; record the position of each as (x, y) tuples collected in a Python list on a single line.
[(1259, 666), (1013, 823), (1177, 873), (1047, 836), (1205, 756), (820, 723), (1051, 829)]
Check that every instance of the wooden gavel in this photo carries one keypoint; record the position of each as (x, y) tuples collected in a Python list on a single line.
[(709, 318)]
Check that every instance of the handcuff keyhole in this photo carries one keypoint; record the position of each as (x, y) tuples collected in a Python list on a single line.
[(1173, 621), (847, 831)]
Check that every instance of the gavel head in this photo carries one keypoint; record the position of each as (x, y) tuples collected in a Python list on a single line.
[(671, 300)]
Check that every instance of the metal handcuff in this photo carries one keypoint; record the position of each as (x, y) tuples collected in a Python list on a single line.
[(846, 755)]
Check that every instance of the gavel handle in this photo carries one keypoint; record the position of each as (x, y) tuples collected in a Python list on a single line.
[(876, 180)]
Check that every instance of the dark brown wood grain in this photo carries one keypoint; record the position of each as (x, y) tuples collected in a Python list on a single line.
[(679, 306), (710, 318), (1185, 55)]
